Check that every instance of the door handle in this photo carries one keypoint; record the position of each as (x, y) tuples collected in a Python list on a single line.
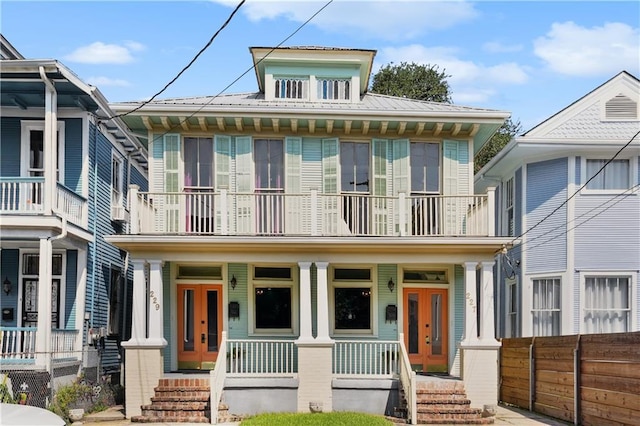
[(427, 340), (203, 339)]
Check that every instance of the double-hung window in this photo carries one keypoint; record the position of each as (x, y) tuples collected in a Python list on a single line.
[(352, 297), (355, 160), (425, 182), (269, 184), (546, 307), (512, 327), (607, 304), (614, 176), (198, 181), (508, 211), (273, 294)]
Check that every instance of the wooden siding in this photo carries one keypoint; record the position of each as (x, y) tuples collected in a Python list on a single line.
[(314, 300), (9, 261), (238, 328), (517, 212), (610, 239), (546, 243), (73, 155), (69, 319), (167, 330), (387, 330), (583, 379), (10, 146)]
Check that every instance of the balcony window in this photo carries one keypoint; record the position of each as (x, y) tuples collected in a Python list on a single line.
[(425, 181), (269, 184), (198, 179), (355, 158)]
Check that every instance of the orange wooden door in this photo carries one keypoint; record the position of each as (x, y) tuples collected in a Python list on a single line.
[(199, 325), (426, 330)]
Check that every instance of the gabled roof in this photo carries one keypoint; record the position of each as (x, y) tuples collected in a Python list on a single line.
[(7, 51), (583, 125)]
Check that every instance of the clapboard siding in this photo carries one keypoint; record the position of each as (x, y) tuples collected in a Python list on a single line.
[(458, 315), (546, 243), (9, 260), (238, 327), (69, 318), (387, 330), (73, 154), (518, 190), (10, 146)]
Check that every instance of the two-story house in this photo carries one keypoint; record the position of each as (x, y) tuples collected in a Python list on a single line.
[(312, 232), (569, 189), (65, 171)]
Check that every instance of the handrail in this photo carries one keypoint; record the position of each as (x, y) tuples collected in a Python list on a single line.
[(408, 382), (216, 378)]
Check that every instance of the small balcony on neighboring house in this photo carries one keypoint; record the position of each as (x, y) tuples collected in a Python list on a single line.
[(18, 347), (225, 213), (26, 196)]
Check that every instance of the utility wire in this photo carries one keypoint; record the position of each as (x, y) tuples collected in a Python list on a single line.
[(206, 46), (239, 77), (578, 190)]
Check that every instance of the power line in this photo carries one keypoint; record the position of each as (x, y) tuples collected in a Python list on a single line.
[(578, 190), (206, 46), (238, 78)]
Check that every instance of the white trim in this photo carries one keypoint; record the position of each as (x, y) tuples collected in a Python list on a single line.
[(566, 322), (293, 284), (332, 284), (633, 289), (509, 282), (26, 126), (632, 178), (525, 305), (559, 277)]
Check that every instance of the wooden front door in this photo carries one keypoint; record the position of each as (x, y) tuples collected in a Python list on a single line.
[(199, 325), (426, 330)]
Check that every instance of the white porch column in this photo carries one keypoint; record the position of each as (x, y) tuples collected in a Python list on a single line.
[(156, 307), (470, 323), (43, 334), (323, 303), (487, 322), (81, 297), (138, 303), (50, 147), (305, 302)]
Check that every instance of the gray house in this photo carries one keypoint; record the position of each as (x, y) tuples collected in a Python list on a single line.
[(568, 189)]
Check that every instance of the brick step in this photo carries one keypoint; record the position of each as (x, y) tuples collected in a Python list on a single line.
[(452, 409), (152, 419), (182, 389), (178, 406), (181, 398), (184, 382), (440, 391), (443, 401), (184, 394), (478, 421)]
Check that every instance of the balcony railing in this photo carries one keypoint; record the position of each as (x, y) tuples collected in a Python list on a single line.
[(18, 344), (370, 358), (311, 214), (27, 196), (271, 358)]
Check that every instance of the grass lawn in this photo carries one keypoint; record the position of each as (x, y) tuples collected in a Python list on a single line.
[(316, 419)]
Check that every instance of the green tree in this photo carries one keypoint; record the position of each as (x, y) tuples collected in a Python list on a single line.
[(414, 81), (499, 140)]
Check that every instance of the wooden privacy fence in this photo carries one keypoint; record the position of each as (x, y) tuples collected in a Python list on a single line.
[(591, 379)]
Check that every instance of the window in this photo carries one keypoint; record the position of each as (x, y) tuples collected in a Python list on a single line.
[(607, 304), (115, 305), (425, 168), (334, 88), (614, 176), (273, 297), (198, 163), (512, 329), (116, 181), (33, 150), (352, 296), (546, 307), (269, 163), (291, 88), (354, 180), (508, 210)]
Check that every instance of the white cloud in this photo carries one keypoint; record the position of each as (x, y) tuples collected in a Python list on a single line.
[(471, 82), (102, 53), (571, 49), (498, 47), (106, 81), (390, 20)]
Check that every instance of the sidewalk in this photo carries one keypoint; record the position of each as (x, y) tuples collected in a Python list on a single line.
[(504, 416)]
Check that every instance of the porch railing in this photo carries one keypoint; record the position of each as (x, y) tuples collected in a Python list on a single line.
[(272, 358), (408, 382), (63, 344), (312, 214), (20, 195), (17, 343), (366, 358)]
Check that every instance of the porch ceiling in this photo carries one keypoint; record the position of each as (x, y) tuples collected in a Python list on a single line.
[(402, 248)]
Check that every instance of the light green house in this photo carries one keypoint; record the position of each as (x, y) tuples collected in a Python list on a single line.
[(312, 233)]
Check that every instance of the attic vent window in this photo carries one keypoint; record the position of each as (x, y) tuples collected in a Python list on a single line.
[(621, 107), (292, 88), (334, 89)]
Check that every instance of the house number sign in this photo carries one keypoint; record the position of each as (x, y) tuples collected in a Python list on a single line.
[(154, 300)]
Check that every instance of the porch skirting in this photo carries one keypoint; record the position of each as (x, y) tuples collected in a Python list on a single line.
[(143, 370), (480, 372)]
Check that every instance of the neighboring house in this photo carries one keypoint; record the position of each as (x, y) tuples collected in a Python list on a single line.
[(310, 231), (577, 269), (65, 171)]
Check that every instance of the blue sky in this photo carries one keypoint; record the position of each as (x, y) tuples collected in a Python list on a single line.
[(529, 58)]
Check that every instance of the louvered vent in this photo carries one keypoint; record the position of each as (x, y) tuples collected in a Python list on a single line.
[(621, 107)]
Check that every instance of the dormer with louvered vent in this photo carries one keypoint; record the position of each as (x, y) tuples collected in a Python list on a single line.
[(621, 107)]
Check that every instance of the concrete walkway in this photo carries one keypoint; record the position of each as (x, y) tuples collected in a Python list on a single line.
[(504, 416)]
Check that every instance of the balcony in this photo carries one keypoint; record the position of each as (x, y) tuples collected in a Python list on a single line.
[(18, 345), (26, 196), (311, 214)]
